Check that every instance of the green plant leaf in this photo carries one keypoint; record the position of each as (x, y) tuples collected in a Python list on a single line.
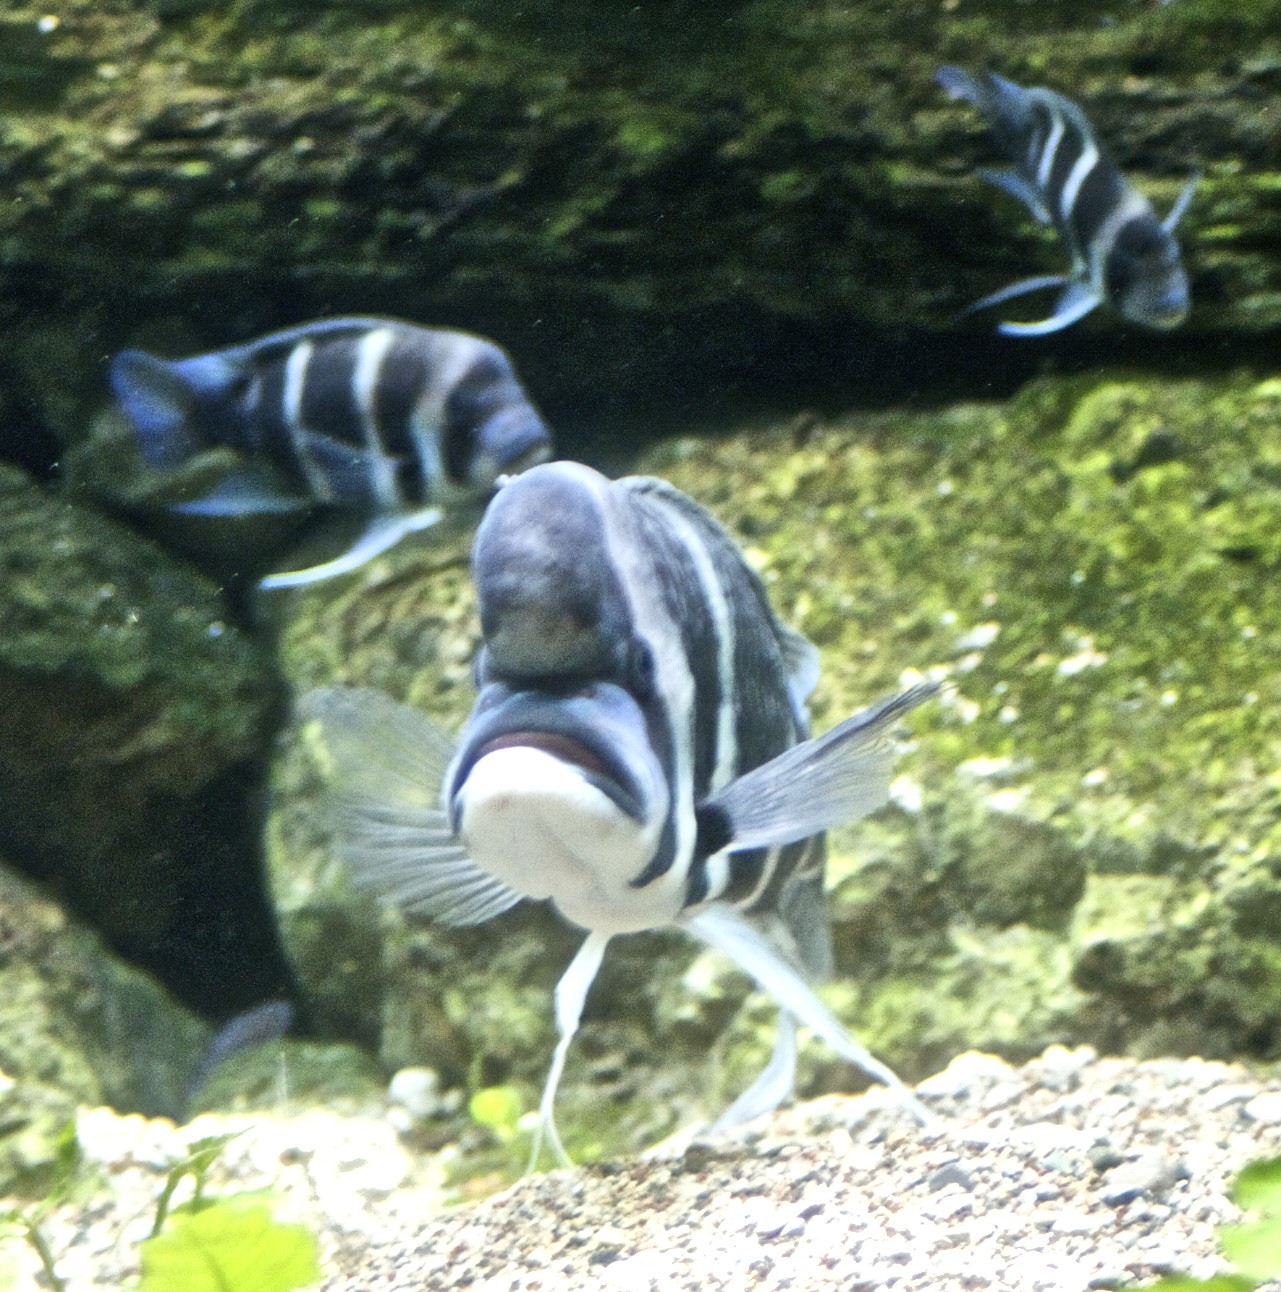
[(1254, 1249), (497, 1108), (229, 1246), (1258, 1187)]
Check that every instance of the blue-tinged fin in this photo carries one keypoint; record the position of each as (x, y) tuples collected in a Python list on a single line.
[(1181, 204), (245, 493), (1075, 303), (1011, 182), (262, 1023), (1021, 288), (961, 84), (386, 765), (837, 777), (158, 402), (383, 532), (801, 663)]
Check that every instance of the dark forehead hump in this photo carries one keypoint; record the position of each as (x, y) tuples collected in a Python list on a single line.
[(550, 599)]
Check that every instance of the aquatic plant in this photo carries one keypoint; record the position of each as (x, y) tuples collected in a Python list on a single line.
[(1254, 1248)]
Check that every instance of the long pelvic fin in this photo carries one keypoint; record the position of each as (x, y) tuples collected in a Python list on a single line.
[(731, 933), (571, 993), (1074, 304), (1021, 288), (383, 533), (839, 776), (774, 1084), (386, 765), (1181, 203)]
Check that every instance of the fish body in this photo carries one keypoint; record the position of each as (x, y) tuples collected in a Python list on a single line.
[(381, 418), (638, 753), (1121, 251)]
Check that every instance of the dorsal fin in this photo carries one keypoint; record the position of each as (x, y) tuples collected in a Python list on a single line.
[(801, 663)]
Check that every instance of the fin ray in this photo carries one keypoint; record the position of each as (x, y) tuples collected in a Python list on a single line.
[(387, 763), (843, 774), (1075, 303)]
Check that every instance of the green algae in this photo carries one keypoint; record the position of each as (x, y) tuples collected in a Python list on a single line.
[(1084, 845)]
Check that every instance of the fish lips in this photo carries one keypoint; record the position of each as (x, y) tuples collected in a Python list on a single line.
[(599, 730)]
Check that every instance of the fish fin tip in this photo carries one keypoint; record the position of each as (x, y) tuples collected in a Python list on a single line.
[(157, 403), (381, 534)]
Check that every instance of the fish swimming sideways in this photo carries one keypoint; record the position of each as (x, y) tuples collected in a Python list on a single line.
[(385, 419), (638, 755), (1121, 252)]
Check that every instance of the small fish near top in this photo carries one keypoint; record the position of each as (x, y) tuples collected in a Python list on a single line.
[(1121, 251), (381, 418), (638, 755)]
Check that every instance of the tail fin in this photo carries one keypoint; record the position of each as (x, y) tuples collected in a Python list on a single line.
[(158, 402), (961, 84)]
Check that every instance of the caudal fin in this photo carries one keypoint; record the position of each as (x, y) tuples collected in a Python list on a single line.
[(158, 402)]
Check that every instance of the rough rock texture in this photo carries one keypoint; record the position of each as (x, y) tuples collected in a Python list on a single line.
[(1081, 847), (1070, 1173), (133, 722), (620, 192), (76, 1027)]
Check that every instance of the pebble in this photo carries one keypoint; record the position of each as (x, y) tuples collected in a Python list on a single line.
[(1265, 1108), (841, 1195)]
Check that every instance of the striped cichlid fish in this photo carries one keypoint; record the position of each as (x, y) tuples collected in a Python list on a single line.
[(386, 419), (1121, 251), (638, 755)]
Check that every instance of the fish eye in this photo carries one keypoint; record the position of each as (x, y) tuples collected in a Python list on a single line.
[(640, 671)]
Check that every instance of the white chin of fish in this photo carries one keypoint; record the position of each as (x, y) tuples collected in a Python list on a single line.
[(531, 820)]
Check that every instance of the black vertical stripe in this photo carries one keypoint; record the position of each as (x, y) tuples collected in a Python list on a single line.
[(329, 406)]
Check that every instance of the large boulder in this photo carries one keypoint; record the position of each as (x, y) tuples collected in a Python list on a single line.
[(620, 193), (1081, 844), (135, 723)]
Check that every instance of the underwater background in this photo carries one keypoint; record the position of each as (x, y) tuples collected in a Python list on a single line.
[(732, 246)]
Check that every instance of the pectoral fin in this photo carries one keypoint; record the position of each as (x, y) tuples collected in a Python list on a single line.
[(386, 765), (1011, 182), (244, 493), (1075, 303), (383, 532), (839, 776)]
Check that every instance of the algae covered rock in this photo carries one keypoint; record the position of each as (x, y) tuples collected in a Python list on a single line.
[(134, 718), (622, 195), (1081, 844)]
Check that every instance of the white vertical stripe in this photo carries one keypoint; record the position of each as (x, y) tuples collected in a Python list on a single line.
[(1046, 164), (673, 679), (295, 382), (369, 360), (726, 764), (1084, 164)]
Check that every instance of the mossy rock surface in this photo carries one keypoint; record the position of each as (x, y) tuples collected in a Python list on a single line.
[(661, 193), (1083, 836), (133, 718)]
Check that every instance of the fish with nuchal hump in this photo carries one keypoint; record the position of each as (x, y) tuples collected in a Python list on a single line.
[(383, 419), (638, 755), (1121, 251)]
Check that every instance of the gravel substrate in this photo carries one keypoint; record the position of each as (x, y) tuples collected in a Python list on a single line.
[(1071, 1172)]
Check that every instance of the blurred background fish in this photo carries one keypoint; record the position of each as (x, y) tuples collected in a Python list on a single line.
[(1121, 252), (382, 419), (637, 755)]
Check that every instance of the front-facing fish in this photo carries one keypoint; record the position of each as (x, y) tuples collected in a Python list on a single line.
[(638, 755), (1121, 251), (385, 419)]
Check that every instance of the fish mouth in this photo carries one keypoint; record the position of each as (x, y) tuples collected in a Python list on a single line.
[(563, 747), (553, 726)]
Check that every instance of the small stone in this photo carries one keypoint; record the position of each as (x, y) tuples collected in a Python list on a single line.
[(1148, 1175), (417, 1090), (1264, 1109), (952, 1173), (965, 1075)]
